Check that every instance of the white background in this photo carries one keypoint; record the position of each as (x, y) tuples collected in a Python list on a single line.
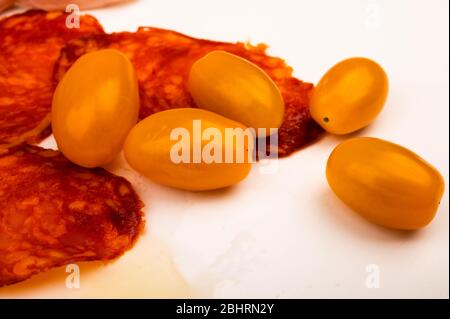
[(286, 235)]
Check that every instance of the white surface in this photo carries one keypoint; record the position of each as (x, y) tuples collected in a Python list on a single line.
[(286, 235)]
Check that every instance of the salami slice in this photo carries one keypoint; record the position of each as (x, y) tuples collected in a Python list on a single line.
[(53, 212), (29, 46), (163, 59)]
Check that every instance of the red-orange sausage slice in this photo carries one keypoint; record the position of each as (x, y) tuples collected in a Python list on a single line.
[(53, 212)]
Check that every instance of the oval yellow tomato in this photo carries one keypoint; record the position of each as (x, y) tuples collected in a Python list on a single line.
[(229, 85), (349, 96), (94, 107), (385, 183), (190, 149)]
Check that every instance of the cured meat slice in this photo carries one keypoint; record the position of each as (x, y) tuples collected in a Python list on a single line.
[(163, 59), (29, 46), (53, 213)]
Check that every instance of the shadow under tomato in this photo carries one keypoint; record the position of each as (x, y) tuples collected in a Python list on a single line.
[(340, 215)]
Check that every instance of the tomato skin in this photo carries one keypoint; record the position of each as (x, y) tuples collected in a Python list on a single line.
[(231, 86), (149, 150), (94, 107), (349, 96), (385, 183)]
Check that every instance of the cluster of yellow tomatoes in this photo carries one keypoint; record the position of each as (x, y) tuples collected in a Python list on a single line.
[(96, 106)]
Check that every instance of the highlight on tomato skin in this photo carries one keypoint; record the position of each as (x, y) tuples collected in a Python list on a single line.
[(349, 96), (386, 183), (94, 107)]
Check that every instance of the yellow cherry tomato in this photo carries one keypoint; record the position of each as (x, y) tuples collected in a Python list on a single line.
[(349, 96), (94, 107), (385, 183), (190, 149), (236, 88)]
